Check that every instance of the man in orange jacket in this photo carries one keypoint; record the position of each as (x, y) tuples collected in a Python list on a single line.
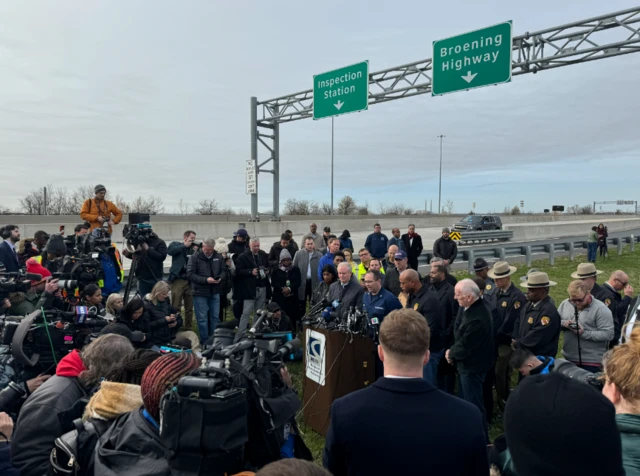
[(97, 210)]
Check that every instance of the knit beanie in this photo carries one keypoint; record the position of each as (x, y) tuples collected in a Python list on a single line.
[(99, 188), (557, 426), (33, 266), (163, 374), (56, 245), (284, 254)]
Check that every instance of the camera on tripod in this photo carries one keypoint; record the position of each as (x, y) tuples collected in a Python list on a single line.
[(16, 282), (138, 230)]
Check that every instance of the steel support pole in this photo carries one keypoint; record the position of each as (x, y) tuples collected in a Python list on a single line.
[(254, 155), (332, 117), (440, 180), (276, 171)]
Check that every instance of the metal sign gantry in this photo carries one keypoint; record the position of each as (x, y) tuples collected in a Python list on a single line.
[(601, 37)]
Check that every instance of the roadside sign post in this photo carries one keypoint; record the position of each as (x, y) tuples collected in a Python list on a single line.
[(341, 91), (472, 60)]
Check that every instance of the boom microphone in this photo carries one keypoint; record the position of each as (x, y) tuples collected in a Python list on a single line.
[(289, 348)]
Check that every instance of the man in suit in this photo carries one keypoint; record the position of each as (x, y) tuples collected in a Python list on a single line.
[(413, 246), (346, 292), (8, 254), (307, 260), (402, 424)]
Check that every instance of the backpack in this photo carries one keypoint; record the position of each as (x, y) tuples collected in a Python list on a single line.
[(73, 451)]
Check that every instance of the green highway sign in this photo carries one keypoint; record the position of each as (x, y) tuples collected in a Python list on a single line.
[(341, 91), (472, 60)]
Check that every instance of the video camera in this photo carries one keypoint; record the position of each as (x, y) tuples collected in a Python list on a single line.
[(237, 398), (16, 282), (44, 337), (138, 230)]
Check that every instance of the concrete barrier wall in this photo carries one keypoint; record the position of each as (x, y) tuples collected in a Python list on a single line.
[(171, 227), (537, 231)]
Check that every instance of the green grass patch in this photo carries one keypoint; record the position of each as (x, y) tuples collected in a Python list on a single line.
[(560, 273)]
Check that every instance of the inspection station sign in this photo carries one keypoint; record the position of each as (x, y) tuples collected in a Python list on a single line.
[(341, 91), (472, 60)]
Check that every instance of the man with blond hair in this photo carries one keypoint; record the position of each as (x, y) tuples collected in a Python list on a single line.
[(404, 405)]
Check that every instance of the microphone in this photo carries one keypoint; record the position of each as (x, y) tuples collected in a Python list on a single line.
[(256, 324), (289, 348)]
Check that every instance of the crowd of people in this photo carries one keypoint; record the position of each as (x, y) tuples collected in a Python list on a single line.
[(443, 348)]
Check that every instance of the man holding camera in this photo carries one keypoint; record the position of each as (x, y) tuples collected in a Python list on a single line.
[(97, 211), (206, 270), (71, 241), (181, 253), (150, 255), (42, 294), (252, 285)]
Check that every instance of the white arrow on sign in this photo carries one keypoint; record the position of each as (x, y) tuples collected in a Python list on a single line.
[(339, 104), (469, 77)]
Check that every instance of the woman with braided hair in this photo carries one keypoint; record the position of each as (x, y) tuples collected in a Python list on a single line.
[(132, 445), (119, 393)]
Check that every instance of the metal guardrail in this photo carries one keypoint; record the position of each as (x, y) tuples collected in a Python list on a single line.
[(475, 237)]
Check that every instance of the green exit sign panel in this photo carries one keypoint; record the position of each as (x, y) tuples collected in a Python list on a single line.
[(472, 60), (341, 91)]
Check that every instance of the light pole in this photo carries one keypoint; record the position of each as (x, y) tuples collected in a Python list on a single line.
[(332, 165), (440, 180)]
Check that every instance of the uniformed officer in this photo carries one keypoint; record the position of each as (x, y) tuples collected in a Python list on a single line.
[(509, 302), (588, 273), (378, 302), (537, 329), (481, 268)]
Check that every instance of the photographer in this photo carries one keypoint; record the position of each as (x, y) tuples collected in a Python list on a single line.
[(97, 210), (14, 390), (280, 320), (71, 241), (180, 286), (49, 412), (150, 255), (43, 294), (165, 321), (207, 270)]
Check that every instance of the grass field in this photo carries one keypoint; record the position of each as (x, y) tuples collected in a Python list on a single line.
[(560, 272)]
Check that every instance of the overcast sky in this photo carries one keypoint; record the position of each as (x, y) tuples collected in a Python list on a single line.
[(152, 97)]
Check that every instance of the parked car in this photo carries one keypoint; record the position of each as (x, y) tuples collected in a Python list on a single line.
[(478, 223)]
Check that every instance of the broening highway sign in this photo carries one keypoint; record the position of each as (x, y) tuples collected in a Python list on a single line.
[(472, 60)]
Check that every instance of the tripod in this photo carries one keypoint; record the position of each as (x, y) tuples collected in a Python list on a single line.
[(130, 278)]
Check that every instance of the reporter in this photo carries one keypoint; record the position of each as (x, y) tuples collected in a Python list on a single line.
[(622, 388), (50, 411), (92, 298), (133, 318), (165, 321), (132, 445), (321, 291), (113, 307)]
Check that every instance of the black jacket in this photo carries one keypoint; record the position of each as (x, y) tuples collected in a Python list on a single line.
[(358, 439), (142, 324), (473, 349), (161, 333), (246, 282), (509, 305), (149, 266), (537, 329), (320, 293), (448, 306), (413, 250), (237, 248), (445, 249), (391, 281), (41, 421), (427, 304), (179, 256), (279, 280), (276, 249), (6, 468), (617, 304), (200, 268), (131, 447)]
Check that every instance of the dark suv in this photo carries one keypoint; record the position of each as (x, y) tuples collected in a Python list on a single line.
[(479, 223)]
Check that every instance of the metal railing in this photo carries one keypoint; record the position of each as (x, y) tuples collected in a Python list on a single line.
[(475, 237), (502, 253)]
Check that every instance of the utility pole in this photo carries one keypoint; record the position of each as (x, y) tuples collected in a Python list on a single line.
[(332, 165), (440, 181), (44, 205)]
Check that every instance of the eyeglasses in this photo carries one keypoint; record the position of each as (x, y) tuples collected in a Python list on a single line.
[(622, 282), (577, 300)]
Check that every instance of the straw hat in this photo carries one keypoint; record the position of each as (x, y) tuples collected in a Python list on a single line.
[(538, 280), (501, 270), (586, 270)]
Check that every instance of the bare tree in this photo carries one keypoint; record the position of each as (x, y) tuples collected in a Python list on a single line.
[(348, 206), (183, 208), (364, 209), (325, 209), (448, 208), (207, 207), (122, 204), (5, 211), (299, 207), (394, 209), (515, 210), (580, 210), (152, 205)]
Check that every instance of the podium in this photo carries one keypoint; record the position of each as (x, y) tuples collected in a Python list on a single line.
[(335, 364)]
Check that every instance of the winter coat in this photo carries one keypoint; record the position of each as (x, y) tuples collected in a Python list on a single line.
[(246, 282), (92, 209), (398, 242), (629, 426), (320, 293), (6, 468), (237, 248), (276, 249), (108, 403), (150, 262), (301, 261), (318, 239), (346, 243), (445, 249), (131, 447), (472, 351), (279, 278), (602, 236), (180, 255), (349, 296), (427, 304), (200, 268), (46, 415), (377, 245), (141, 324), (161, 333)]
